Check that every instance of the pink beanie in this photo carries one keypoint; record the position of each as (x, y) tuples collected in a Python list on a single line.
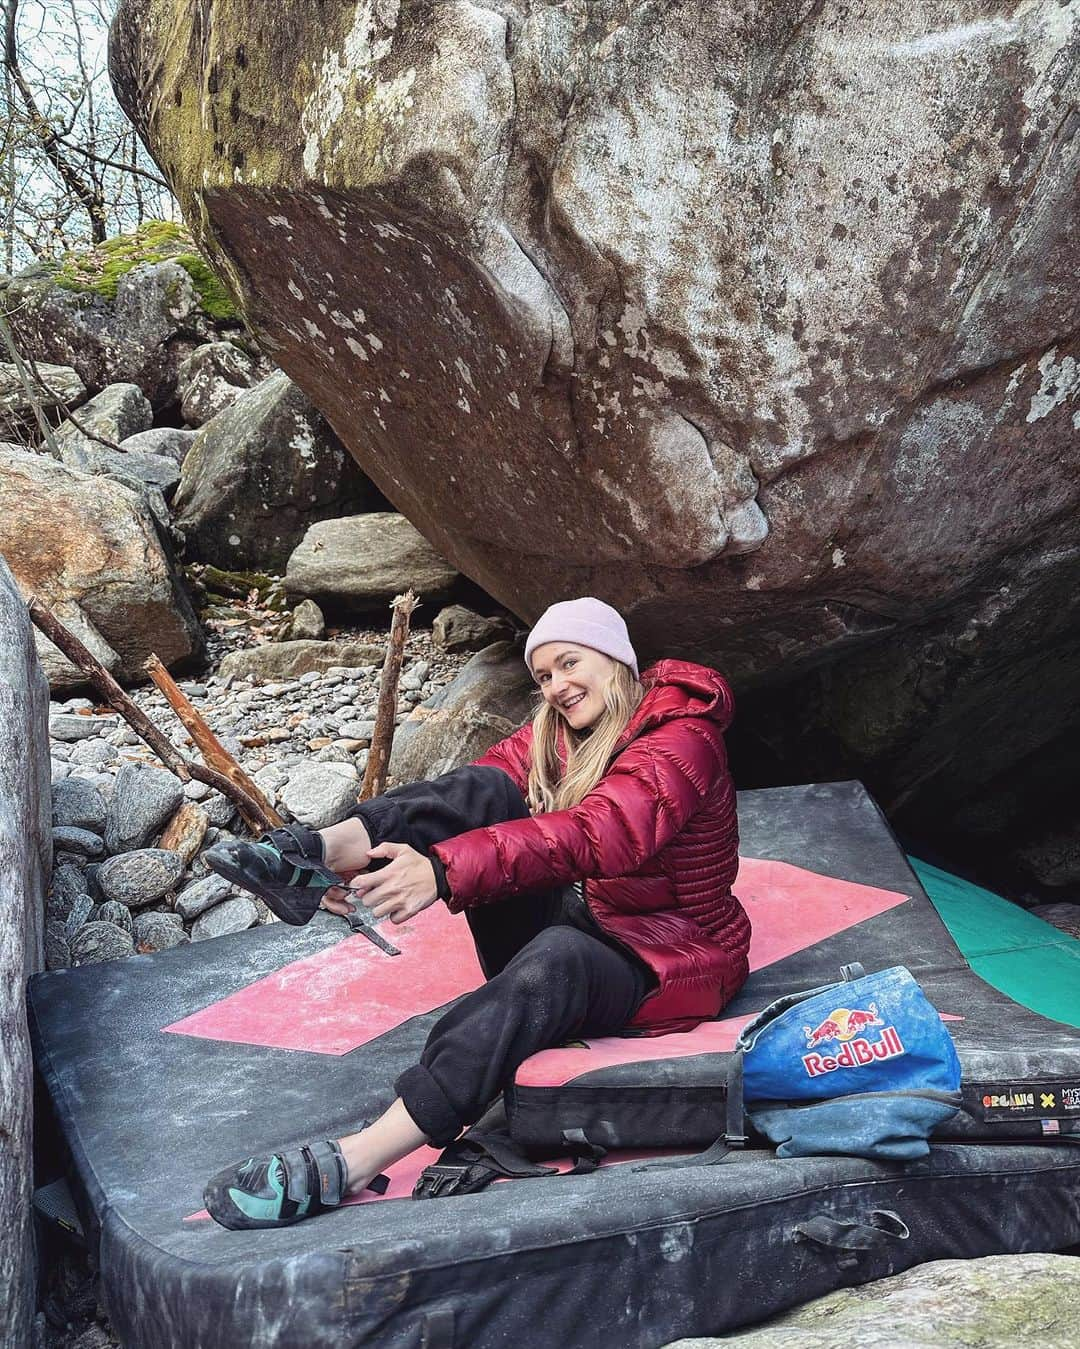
[(588, 621)]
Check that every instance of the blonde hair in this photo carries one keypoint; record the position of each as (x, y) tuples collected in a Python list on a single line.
[(555, 787)]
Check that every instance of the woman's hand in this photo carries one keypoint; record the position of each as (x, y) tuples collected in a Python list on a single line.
[(400, 891)]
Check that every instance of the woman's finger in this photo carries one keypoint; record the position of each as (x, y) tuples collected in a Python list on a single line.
[(386, 909)]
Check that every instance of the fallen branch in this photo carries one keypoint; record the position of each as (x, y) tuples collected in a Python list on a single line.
[(111, 692), (214, 753), (386, 713)]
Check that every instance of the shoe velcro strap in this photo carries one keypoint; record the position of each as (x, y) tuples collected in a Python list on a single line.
[(301, 847), (323, 1173)]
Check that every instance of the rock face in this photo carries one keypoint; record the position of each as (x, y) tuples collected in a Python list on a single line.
[(89, 549), (25, 824), (363, 561), (759, 323), (982, 1303), (258, 474)]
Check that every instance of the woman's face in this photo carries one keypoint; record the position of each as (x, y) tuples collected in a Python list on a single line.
[(572, 678)]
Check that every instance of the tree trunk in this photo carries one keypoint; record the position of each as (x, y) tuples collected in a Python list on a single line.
[(25, 861)]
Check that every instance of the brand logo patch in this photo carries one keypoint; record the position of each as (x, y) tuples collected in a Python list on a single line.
[(842, 1027), (1070, 1098)]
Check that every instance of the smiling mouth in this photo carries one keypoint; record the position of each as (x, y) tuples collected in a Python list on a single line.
[(565, 707)]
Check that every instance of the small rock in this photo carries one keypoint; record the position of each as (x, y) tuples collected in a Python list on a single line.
[(70, 726), (286, 660), (68, 883), (79, 913), (219, 810), (196, 791), (95, 942), (93, 752), (459, 629), (140, 877), (321, 794), (143, 800), (202, 895), (357, 730), (83, 841), (306, 624), (57, 949), (113, 912), (233, 915), (157, 932), (185, 831)]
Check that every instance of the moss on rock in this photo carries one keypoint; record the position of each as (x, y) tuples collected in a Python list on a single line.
[(97, 271)]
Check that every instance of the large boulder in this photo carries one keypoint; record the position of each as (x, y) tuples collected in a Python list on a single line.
[(756, 321), (488, 700), (89, 549), (128, 311), (25, 860), (363, 561), (213, 377), (258, 474)]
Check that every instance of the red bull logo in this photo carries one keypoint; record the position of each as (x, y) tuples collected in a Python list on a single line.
[(842, 1027)]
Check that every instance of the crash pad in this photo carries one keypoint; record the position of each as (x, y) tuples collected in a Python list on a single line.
[(161, 1069)]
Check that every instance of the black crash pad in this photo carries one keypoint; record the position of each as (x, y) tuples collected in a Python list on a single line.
[(161, 1069)]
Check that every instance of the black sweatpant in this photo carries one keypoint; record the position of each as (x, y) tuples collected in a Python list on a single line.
[(552, 973)]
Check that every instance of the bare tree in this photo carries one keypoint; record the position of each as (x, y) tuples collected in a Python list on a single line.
[(73, 169)]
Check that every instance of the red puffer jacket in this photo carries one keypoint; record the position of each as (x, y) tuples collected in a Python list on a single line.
[(656, 842)]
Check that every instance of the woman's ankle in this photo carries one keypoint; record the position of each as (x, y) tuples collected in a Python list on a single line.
[(346, 846)]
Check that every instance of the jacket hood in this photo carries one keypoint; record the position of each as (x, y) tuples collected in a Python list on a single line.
[(678, 688)]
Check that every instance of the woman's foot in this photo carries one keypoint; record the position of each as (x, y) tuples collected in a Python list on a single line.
[(278, 1190)]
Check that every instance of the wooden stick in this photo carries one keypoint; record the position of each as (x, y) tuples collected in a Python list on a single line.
[(386, 714), (107, 687), (214, 753)]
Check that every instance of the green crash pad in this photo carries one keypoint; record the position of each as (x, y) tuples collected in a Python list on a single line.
[(1027, 959)]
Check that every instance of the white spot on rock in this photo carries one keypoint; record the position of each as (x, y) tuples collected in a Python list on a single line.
[(1059, 382)]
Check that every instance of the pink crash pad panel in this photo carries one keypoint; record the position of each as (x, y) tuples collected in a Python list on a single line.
[(349, 994)]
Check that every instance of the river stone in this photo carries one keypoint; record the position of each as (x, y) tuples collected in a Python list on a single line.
[(95, 942), (95, 752), (62, 387), (363, 561), (69, 881), (201, 895), (219, 810), (112, 911), (320, 794), (459, 629), (90, 549), (489, 698), (82, 841), (258, 474), (286, 660), (212, 378), (77, 804), (984, 1303), (157, 932), (232, 915), (80, 912), (57, 948), (143, 800), (757, 321), (140, 877), (69, 726)]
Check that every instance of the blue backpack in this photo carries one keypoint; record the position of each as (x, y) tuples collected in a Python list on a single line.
[(860, 1068)]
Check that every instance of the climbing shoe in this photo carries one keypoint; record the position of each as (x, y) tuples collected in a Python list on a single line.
[(284, 868), (281, 1189)]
